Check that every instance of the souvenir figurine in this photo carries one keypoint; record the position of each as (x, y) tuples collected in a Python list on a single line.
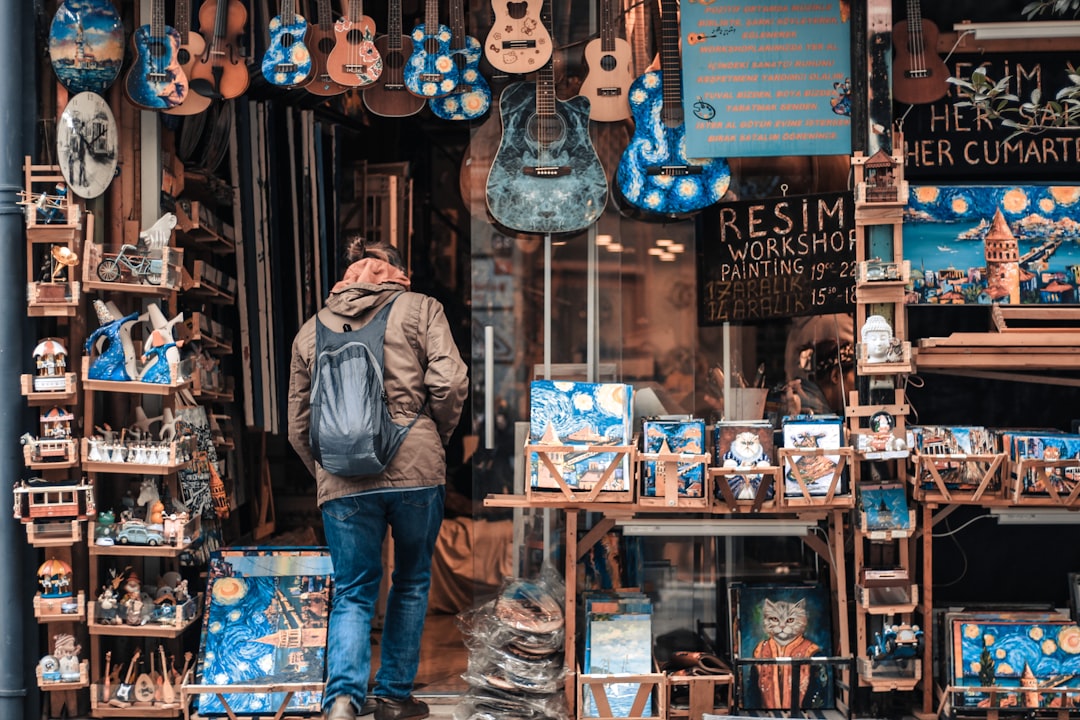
[(50, 359), (54, 577), (105, 528), (116, 361), (66, 653), (107, 607), (877, 337)]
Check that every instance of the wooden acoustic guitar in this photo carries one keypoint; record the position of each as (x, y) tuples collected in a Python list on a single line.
[(471, 98), (192, 46), (220, 72), (287, 62), (388, 96), (431, 70), (321, 37), (355, 61), (546, 177), (518, 41), (654, 173), (156, 81), (607, 85), (919, 74)]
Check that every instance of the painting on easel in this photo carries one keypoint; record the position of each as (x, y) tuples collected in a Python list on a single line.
[(265, 623)]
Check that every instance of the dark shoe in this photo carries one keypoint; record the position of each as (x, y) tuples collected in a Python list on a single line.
[(369, 707), (408, 709), (342, 709)]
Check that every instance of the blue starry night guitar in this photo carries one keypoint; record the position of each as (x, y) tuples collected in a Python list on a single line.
[(472, 96), (156, 81), (287, 61), (431, 70), (654, 173)]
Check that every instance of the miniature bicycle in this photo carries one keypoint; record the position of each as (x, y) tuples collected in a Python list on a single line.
[(143, 267)]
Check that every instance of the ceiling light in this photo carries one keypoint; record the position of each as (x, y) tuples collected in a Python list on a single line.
[(615, 247), (604, 239), (656, 251), (664, 242), (667, 257), (1020, 30), (676, 247)]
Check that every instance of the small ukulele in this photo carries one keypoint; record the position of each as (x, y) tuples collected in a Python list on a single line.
[(354, 61), (431, 71), (156, 81), (518, 41), (388, 96), (287, 62), (192, 46), (472, 96), (920, 76), (610, 74)]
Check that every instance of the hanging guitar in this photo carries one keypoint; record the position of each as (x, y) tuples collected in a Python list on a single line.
[(654, 173), (220, 72), (388, 96), (86, 45), (191, 48), (471, 98), (607, 85), (546, 177), (287, 62), (355, 61), (518, 41), (920, 76), (321, 37), (431, 71), (155, 80)]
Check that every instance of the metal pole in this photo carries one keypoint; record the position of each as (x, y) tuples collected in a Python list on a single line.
[(18, 102)]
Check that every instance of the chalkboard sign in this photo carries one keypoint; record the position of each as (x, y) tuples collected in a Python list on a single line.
[(776, 258)]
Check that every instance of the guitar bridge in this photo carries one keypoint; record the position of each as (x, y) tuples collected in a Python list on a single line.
[(546, 171), (285, 67), (609, 92), (156, 77), (673, 170), (431, 77), (393, 86), (518, 44)]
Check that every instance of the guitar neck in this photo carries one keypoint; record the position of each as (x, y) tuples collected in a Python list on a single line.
[(545, 76), (431, 16), (607, 25), (356, 10), (157, 18), (325, 15), (182, 21), (669, 58), (457, 25), (393, 26), (288, 11)]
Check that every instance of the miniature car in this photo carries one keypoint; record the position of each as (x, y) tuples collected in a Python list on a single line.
[(135, 533)]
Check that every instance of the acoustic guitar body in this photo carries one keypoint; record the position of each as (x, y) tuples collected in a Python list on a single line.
[(388, 96), (186, 55), (354, 61), (919, 73), (608, 83)]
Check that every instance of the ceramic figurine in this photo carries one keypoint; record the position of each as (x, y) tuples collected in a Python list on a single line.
[(54, 577), (116, 361), (50, 359), (105, 528), (877, 337), (156, 237), (67, 654), (107, 607)]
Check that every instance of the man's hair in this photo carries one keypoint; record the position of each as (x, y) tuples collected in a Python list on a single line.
[(829, 354), (358, 247)]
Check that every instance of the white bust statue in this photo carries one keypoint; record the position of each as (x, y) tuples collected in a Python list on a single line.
[(877, 337)]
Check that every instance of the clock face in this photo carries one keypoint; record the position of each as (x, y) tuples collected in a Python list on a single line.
[(86, 145)]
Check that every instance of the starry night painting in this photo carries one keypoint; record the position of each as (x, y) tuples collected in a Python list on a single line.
[(265, 622), (1032, 657), (584, 414), (1003, 244), (884, 507), (682, 437)]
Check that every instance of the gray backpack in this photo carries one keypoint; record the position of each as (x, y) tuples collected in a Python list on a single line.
[(351, 429)]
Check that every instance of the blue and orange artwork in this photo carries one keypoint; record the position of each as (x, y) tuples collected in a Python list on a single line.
[(1035, 658), (86, 45), (265, 623), (682, 437), (1003, 244)]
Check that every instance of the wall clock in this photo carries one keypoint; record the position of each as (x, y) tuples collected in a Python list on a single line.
[(86, 145)]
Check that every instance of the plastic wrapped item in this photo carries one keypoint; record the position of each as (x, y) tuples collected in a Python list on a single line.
[(501, 670), (479, 702)]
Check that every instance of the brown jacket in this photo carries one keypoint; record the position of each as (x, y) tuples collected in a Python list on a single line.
[(420, 362)]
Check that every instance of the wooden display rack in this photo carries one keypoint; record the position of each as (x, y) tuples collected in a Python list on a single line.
[(887, 534), (48, 609), (100, 708), (65, 394), (186, 614), (181, 454), (888, 676), (667, 480), (192, 527), (62, 533), (564, 492), (709, 694), (1067, 697), (896, 596), (189, 690), (833, 498), (172, 265), (772, 477), (64, 451), (641, 709), (1052, 497), (58, 685), (180, 372), (988, 468)]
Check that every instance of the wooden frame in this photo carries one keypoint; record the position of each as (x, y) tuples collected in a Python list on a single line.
[(564, 492), (989, 485), (702, 690), (188, 690), (648, 683), (762, 502), (667, 480), (1052, 498), (833, 498)]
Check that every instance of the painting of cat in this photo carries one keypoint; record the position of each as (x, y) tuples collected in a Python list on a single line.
[(777, 621), (743, 445)]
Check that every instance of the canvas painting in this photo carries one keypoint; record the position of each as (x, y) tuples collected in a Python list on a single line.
[(773, 621), (1029, 656), (586, 415), (265, 622), (884, 507), (1052, 446), (744, 445), (681, 436), (618, 639), (817, 471), (954, 440), (1010, 244)]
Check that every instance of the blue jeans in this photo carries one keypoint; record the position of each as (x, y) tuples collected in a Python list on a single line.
[(355, 527)]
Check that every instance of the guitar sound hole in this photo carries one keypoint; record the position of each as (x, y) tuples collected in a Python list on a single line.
[(608, 62), (672, 116), (183, 57), (157, 49), (287, 40), (326, 45), (355, 37), (547, 130), (517, 10), (393, 60), (431, 46)]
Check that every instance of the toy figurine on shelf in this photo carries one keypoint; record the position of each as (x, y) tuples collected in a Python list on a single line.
[(105, 529), (50, 359), (54, 577), (116, 361), (107, 607), (877, 338), (66, 653)]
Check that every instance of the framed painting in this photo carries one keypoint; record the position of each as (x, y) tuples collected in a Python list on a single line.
[(681, 437), (781, 621), (265, 623), (1008, 244)]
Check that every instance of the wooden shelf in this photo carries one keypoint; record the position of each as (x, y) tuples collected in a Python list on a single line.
[(208, 282), (200, 328), (47, 610), (176, 462), (67, 394), (61, 533), (55, 299), (150, 630), (59, 685), (197, 224), (102, 709), (183, 541), (136, 387), (886, 677)]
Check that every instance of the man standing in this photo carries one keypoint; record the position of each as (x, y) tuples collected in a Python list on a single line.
[(426, 381)]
